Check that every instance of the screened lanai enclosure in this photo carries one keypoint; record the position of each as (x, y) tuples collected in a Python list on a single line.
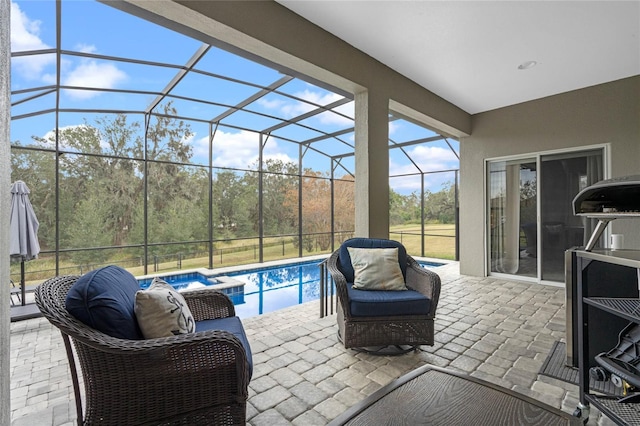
[(146, 148)]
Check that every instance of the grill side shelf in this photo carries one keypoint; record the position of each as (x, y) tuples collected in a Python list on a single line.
[(626, 308), (626, 414)]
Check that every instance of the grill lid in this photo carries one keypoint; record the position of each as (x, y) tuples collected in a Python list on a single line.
[(610, 198)]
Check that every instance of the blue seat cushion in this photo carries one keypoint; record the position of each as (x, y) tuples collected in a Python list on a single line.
[(344, 258), (105, 299), (374, 303), (233, 326)]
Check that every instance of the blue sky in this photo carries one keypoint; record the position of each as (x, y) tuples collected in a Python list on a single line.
[(94, 28)]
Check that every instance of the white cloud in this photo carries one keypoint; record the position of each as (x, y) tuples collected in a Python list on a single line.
[(327, 118), (316, 98), (330, 118), (393, 126), (25, 36), (236, 150), (290, 109), (434, 158), (85, 48), (90, 73), (271, 103), (429, 159), (409, 184), (25, 33)]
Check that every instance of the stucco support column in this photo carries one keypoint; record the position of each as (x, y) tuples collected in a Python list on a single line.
[(372, 165), (5, 183)]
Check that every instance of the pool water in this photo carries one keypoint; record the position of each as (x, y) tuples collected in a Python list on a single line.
[(188, 281), (266, 289), (270, 289)]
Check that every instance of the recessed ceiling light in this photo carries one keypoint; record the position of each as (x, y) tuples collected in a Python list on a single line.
[(526, 65)]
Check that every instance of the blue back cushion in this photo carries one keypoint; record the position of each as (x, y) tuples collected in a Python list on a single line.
[(345, 259), (105, 299)]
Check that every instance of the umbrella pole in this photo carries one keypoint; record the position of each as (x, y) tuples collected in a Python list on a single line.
[(22, 286)]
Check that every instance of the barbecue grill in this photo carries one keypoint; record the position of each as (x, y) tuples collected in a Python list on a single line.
[(608, 200), (604, 201)]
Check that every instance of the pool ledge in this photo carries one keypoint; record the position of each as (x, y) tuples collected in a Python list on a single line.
[(216, 272), (224, 282)]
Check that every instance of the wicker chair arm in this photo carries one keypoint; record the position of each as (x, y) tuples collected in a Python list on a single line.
[(209, 340), (340, 282), (209, 303), (423, 281)]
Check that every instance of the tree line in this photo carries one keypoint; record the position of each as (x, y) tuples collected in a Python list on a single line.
[(103, 196)]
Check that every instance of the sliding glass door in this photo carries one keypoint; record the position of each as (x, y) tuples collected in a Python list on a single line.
[(531, 220), (562, 176), (513, 210)]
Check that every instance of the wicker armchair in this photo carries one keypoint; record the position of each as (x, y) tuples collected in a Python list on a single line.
[(380, 329), (190, 379)]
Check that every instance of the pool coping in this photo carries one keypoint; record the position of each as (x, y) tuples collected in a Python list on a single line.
[(217, 272)]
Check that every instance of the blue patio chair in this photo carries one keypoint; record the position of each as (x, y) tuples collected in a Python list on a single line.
[(197, 378), (376, 319)]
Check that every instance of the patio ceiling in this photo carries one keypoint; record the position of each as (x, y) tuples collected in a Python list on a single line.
[(468, 52)]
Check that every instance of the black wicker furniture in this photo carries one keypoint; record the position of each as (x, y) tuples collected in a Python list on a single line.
[(376, 320), (199, 378)]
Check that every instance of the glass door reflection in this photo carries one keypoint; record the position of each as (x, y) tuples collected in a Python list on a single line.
[(513, 212)]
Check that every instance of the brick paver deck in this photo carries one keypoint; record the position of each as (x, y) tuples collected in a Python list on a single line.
[(498, 330)]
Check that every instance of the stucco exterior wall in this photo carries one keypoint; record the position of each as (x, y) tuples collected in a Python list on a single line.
[(603, 114)]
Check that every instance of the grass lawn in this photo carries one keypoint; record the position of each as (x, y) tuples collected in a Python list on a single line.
[(439, 240), (439, 243)]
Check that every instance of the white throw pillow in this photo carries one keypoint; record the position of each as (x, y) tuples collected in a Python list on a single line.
[(376, 269), (162, 311)]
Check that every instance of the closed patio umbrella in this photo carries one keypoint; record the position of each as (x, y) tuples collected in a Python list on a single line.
[(23, 229)]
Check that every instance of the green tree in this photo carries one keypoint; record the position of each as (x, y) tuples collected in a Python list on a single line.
[(403, 209), (344, 209), (316, 210), (89, 216), (173, 188), (234, 197), (278, 178), (528, 201), (101, 183), (440, 206)]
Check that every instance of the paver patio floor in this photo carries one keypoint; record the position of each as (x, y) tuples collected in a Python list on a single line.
[(494, 329)]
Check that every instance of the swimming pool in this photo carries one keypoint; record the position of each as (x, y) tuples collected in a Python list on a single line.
[(261, 290)]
